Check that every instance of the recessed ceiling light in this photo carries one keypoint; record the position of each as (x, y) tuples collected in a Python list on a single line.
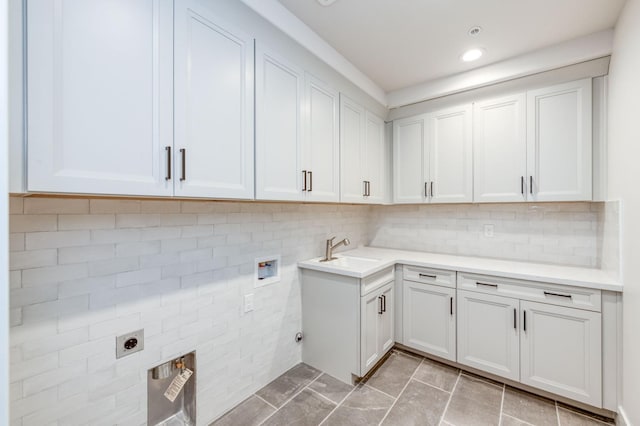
[(472, 55), (326, 2)]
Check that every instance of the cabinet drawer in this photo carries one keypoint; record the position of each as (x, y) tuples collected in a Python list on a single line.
[(376, 280), (553, 294), (429, 276)]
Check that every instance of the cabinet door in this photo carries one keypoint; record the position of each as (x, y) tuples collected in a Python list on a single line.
[(373, 155), (385, 329), (321, 149), (559, 144), (488, 335), (213, 106), (500, 149), (561, 351), (370, 311), (352, 134), (409, 174), (100, 96), (278, 128), (450, 156), (429, 321)]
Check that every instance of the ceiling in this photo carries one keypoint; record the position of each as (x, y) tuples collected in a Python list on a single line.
[(400, 43)]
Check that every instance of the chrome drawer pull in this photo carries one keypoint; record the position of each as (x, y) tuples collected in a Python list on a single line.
[(548, 293), (487, 284)]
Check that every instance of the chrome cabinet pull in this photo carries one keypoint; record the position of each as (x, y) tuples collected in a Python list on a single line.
[(428, 276), (487, 284), (514, 319), (451, 305), (522, 185), (368, 189), (426, 190), (431, 188), (380, 305), (168, 175), (384, 303), (524, 322), (364, 190), (183, 151), (548, 293), (304, 180), (310, 181)]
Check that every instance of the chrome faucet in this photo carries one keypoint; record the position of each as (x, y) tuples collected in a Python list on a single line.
[(330, 246)]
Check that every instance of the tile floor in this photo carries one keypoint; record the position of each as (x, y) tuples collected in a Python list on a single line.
[(405, 390)]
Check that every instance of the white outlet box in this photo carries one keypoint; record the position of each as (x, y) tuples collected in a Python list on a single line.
[(488, 231), (248, 302)]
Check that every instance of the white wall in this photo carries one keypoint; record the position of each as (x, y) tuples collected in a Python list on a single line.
[(624, 152), (4, 189), (86, 270)]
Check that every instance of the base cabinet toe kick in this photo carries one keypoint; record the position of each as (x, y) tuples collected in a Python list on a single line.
[(558, 339)]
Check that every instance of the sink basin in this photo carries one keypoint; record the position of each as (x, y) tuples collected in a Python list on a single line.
[(351, 262)]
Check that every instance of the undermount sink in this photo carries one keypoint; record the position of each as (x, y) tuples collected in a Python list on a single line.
[(351, 261)]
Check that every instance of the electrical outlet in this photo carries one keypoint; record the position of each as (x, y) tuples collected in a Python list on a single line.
[(488, 231), (248, 302), (129, 343)]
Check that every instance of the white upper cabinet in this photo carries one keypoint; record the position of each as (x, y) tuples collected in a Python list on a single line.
[(321, 149), (499, 149), (433, 157), (409, 174), (362, 154), (213, 149), (450, 156), (374, 168), (99, 98), (559, 142), (279, 92)]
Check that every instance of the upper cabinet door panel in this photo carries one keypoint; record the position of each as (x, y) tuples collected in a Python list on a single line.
[(409, 178), (213, 106), (374, 170), (279, 88), (321, 149), (450, 159), (499, 146), (99, 102), (352, 134), (559, 144)]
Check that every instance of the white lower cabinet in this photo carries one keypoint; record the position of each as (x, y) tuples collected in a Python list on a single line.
[(550, 347), (488, 335), (429, 320), (348, 323), (561, 351), (377, 326)]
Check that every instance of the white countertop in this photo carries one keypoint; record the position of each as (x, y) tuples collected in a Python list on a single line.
[(382, 258)]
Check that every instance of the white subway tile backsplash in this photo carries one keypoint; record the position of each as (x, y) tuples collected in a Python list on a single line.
[(179, 269)]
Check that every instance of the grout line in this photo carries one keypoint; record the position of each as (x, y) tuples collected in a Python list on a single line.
[(557, 412), (378, 390), (401, 392), (504, 387), (338, 405), (429, 384), (289, 400), (446, 407), (265, 401), (520, 420), (319, 394)]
